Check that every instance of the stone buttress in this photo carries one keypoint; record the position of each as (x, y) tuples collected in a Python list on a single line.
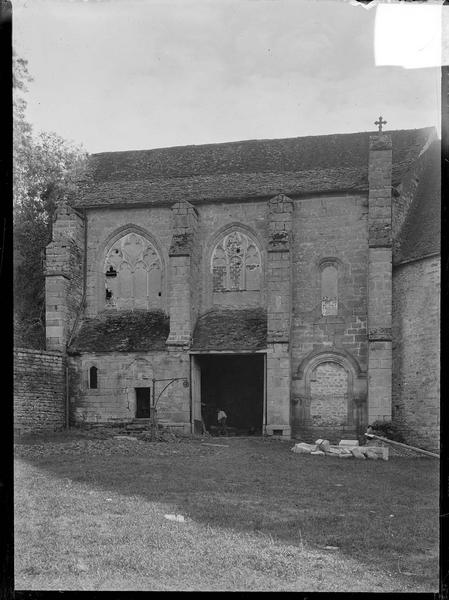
[(279, 292), (64, 257), (379, 278), (183, 301)]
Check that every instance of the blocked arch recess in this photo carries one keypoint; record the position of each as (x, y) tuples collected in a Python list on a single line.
[(356, 382), (344, 359)]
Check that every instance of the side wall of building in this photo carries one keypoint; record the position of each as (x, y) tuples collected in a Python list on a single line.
[(323, 227), (332, 230), (416, 351), (39, 390)]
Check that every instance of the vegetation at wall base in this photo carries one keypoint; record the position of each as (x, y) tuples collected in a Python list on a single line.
[(388, 430)]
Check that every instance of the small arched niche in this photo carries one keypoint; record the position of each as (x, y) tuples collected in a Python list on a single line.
[(329, 287)]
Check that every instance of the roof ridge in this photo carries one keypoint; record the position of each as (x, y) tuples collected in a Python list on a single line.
[(260, 140)]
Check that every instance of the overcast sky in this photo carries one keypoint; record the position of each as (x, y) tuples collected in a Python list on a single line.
[(134, 74)]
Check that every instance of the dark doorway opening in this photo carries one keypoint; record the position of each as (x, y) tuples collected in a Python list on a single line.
[(143, 403), (235, 384)]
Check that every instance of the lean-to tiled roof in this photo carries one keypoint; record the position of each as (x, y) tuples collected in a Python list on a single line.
[(124, 331), (231, 329)]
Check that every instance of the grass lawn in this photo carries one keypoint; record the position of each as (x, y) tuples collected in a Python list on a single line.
[(89, 515)]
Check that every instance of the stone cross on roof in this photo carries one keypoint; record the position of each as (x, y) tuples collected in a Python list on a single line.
[(380, 123)]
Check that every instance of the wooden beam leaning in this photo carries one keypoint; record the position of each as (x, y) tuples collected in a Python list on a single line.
[(420, 450)]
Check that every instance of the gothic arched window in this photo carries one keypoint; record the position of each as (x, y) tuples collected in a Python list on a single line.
[(236, 264), (329, 289), (133, 274)]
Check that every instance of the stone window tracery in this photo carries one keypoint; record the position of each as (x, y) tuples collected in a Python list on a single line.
[(133, 274), (236, 264)]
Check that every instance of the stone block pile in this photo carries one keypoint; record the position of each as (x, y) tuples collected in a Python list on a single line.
[(345, 449)]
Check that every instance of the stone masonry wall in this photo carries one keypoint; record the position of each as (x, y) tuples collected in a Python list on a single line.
[(102, 224), (278, 271), (328, 228), (333, 227), (64, 260), (158, 221), (329, 395), (279, 303), (379, 278), (113, 401), (182, 296), (380, 345), (214, 218), (278, 388), (416, 351), (329, 378), (39, 390)]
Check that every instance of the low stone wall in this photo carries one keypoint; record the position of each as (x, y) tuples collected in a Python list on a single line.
[(39, 390)]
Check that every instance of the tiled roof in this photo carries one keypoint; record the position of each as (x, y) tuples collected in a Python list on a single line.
[(231, 329), (421, 232), (243, 169), (125, 331)]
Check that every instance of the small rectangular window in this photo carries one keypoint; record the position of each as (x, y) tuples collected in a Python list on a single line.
[(93, 379)]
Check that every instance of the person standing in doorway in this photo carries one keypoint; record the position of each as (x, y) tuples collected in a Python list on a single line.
[(222, 418)]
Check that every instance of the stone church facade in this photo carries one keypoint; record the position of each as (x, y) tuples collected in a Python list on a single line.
[(292, 283)]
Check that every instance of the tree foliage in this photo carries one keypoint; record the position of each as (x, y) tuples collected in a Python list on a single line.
[(46, 169)]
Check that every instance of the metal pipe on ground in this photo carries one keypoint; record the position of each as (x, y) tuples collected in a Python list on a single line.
[(406, 446)]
